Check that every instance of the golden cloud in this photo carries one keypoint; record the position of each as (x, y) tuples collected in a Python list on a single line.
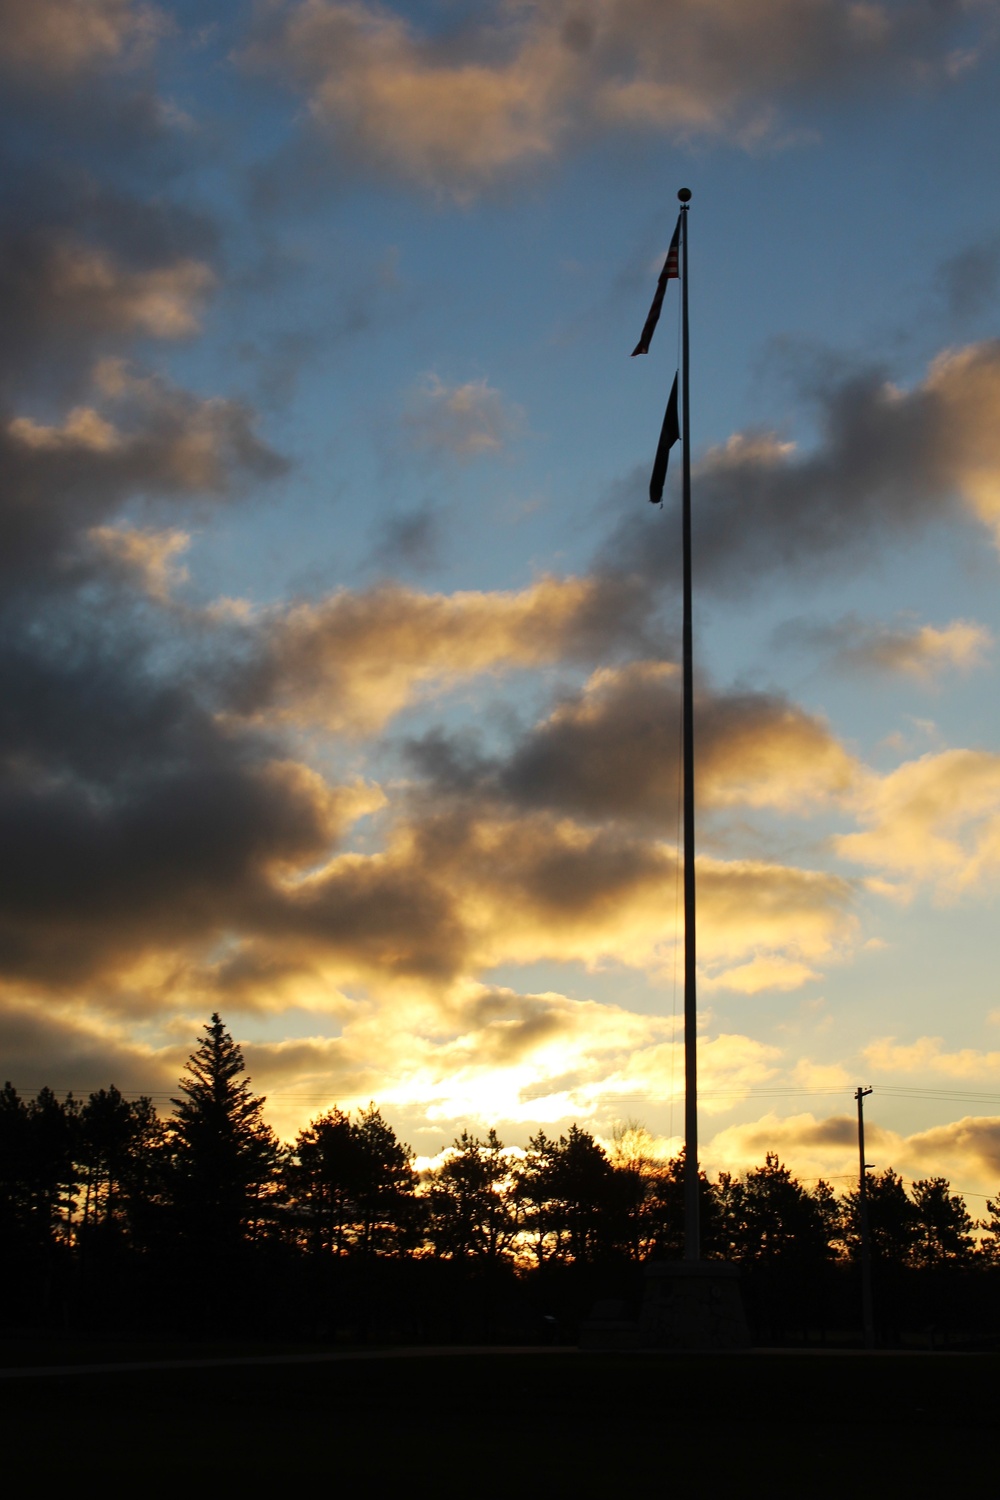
[(355, 659), (496, 1057), (936, 819), (929, 1056), (966, 1150)]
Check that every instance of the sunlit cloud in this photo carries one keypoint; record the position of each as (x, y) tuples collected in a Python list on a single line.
[(934, 820), (967, 1150), (353, 660), (455, 110), (929, 1056), (492, 1056)]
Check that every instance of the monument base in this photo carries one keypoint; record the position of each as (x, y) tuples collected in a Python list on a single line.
[(687, 1305)]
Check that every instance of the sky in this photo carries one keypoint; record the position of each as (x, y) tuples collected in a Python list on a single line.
[(339, 638)]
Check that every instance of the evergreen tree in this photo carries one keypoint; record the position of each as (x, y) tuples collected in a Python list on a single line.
[(892, 1220), (38, 1172), (944, 1225), (567, 1189), (386, 1209), (989, 1246), (119, 1140), (225, 1157), (322, 1178), (775, 1221)]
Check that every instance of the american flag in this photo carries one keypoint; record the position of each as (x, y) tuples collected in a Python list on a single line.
[(671, 268)]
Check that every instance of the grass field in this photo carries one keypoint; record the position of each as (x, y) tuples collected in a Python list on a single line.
[(554, 1423)]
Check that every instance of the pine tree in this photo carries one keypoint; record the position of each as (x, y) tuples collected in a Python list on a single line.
[(225, 1155)]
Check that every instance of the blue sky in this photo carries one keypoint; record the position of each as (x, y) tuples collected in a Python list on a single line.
[(341, 652)]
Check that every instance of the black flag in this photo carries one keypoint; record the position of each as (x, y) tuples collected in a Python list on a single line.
[(669, 434), (671, 269)]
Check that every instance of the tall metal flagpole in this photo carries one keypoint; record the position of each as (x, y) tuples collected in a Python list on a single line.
[(692, 1207)]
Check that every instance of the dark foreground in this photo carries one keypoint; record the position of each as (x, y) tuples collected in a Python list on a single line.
[(551, 1422)]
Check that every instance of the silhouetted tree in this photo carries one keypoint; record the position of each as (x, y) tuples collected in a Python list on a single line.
[(323, 1177), (892, 1220), (225, 1156), (118, 1139), (472, 1206), (566, 1189), (38, 1173), (385, 1207), (664, 1212), (773, 1219), (943, 1225), (989, 1247)]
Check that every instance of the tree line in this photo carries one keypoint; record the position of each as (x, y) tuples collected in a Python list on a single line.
[(111, 1214)]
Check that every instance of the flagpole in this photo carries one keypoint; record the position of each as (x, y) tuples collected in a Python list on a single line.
[(692, 1227)]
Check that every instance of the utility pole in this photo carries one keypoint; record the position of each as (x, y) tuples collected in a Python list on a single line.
[(867, 1314)]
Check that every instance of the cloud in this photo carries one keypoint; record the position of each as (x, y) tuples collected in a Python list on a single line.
[(461, 421), (935, 820), (457, 894), (928, 1056), (140, 436), (457, 109), (888, 464), (970, 280), (612, 751), (187, 864), (411, 541), (66, 301), (494, 1056), (970, 1145), (920, 651), (145, 554), (966, 1150), (356, 658), (59, 38), (770, 972), (86, 285)]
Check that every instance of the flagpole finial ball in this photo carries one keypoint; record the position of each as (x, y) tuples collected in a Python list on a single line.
[(685, 195)]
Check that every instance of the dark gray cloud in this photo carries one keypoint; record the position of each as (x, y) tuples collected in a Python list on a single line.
[(42, 1047), (86, 272), (888, 463), (613, 752), (970, 280), (411, 542), (142, 438)]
